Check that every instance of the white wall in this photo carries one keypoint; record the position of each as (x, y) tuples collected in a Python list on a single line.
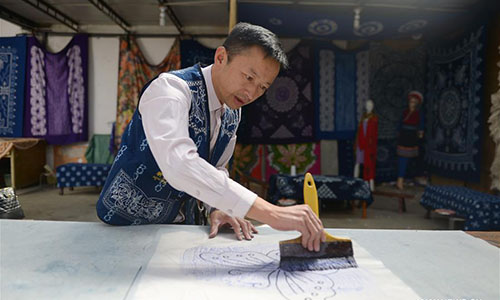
[(8, 29)]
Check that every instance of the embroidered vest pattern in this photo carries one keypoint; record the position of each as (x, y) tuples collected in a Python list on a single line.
[(136, 191)]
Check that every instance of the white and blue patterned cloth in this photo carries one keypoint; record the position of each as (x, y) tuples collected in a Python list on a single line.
[(329, 188), (76, 174), (12, 78), (340, 91), (481, 211), (454, 107)]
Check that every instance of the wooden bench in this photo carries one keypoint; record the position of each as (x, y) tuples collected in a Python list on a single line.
[(401, 196)]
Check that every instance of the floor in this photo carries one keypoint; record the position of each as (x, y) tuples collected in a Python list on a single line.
[(45, 203)]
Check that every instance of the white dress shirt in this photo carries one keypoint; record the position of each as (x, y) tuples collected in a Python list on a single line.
[(164, 107)]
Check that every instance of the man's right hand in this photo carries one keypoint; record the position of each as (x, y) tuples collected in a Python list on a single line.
[(297, 217)]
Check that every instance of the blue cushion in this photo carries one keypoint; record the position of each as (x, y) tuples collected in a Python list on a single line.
[(481, 211), (75, 174)]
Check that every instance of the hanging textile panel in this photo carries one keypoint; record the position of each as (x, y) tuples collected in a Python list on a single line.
[(494, 125), (454, 108), (247, 159), (341, 89), (134, 72), (386, 168), (12, 76), (276, 159), (192, 52), (285, 113), (346, 157), (305, 156), (394, 73), (56, 106)]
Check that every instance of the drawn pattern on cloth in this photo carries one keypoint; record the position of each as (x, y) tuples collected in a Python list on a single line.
[(258, 267)]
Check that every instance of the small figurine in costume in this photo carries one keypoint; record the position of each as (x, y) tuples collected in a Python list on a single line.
[(366, 145), (409, 134)]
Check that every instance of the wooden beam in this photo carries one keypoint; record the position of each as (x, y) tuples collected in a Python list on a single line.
[(53, 12), (19, 20), (113, 15), (233, 14)]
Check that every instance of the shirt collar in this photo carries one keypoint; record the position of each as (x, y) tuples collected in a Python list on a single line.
[(213, 102)]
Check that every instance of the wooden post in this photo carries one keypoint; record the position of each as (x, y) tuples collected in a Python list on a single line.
[(364, 210), (233, 14)]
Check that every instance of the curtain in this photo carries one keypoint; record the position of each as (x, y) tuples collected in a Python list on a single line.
[(134, 72)]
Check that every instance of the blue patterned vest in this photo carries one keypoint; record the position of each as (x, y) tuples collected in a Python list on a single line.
[(135, 191)]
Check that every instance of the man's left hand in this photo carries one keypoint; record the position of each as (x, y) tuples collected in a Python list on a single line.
[(242, 228)]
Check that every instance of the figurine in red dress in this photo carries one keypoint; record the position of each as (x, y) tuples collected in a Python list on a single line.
[(409, 135), (366, 145)]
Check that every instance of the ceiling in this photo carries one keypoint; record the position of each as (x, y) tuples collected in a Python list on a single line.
[(332, 19)]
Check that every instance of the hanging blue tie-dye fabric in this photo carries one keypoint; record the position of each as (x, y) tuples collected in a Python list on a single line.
[(393, 73), (12, 77), (285, 113), (454, 107), (193, 52), (341, 89)]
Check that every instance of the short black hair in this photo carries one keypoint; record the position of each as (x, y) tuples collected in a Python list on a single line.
[(245, 35)]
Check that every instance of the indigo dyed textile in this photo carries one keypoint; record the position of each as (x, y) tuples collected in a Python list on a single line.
[(285, 113), (454, 107), (481, 211), (133, 73), (193, 52), (340, 91), (12, 76), (74, 174), (387, 160), (329, 188), (56, 92), (394, 73), (346, 157), (335, 23)]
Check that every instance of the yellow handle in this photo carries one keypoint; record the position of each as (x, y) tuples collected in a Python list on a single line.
[(310, 194)]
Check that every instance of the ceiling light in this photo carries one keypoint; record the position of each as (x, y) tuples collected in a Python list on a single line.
[(357, 17), (163, 15)]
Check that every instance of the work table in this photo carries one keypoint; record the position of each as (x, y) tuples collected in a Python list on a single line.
[(80, 260)]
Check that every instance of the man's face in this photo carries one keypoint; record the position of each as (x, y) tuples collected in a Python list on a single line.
[(245, 78)]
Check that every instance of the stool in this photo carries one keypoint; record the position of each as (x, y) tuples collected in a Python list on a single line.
[(395, 194)]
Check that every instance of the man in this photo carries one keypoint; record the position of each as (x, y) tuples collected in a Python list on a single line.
[(175, 148)]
